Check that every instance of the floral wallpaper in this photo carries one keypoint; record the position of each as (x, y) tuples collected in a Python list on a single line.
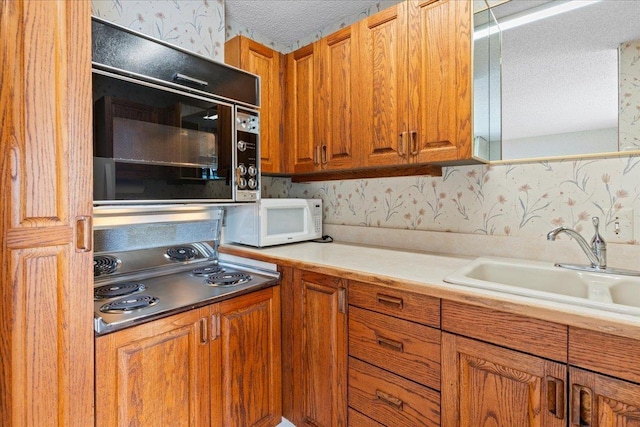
[(195, 25), (629, 96), (506, 200)]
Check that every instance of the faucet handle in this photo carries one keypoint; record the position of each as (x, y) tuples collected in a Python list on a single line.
[(597, 239)]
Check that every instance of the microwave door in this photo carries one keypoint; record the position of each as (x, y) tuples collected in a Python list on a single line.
[(165, 146)]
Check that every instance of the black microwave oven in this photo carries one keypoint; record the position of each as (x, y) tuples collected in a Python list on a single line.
[(170, 126)]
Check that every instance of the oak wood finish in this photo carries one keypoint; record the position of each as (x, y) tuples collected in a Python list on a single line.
[(318, 350), (356, 419), (534, 336), (390, 399), (362, 173), (487, 385), (302, 130), (404, 348), (46, 335), (605, 353), (250, 360), (267, 63), (601, 401), (158, 373), (395, 302)]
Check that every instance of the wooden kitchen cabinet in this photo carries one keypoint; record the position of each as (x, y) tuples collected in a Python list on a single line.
[(250, 360), (486, 384), (164, 373), (415, 83), (218, 365), (314, 349), (267, 63), (320, 104), (46, 333)]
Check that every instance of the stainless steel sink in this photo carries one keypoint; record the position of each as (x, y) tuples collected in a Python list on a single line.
[(543, 280)]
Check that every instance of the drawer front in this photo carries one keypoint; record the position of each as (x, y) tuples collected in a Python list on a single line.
[(356, 419), (390, 399), (404, 348), (396, 302)]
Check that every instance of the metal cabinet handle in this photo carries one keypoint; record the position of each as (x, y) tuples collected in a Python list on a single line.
[(555, 397), (390, 301), (389, 399), (183, 78), (401, 139), (390, 344), (203, 330), (414, 142), (342, 300), (84, 236), (581, 406)]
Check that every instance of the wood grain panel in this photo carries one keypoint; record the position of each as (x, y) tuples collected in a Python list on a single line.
[(602, 401), (250, 360), (608, 354), (301, 109), (405, 348), (356, 419), (382, 112), (390, 399), (484, 384), (46, 336), (137, 384), (376, 172), (514, 331), (290, 351), (395, 302)]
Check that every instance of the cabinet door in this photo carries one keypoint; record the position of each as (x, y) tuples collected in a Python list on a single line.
[(600, 401), (439, 89), (301, 127), (250, 359), (320, 369), (46, 333), (337, 91), (483, 384), (156, 373), (258, 59), (382, 87)]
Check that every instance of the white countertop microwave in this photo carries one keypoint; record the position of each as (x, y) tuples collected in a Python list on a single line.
[(274, 222)]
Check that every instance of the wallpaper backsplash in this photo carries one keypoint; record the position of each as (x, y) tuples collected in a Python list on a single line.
[(195, 25), (507, 200)]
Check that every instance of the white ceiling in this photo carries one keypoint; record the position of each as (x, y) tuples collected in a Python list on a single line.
[(287, 21)]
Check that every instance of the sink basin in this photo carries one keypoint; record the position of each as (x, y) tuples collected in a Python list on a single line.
[(543, 280)]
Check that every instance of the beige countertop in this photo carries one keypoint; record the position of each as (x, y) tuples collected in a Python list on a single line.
[(423, 272)]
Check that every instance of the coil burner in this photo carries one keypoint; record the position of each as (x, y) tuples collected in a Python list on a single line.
[(105, 264), (228, 279), (129, 304), (181, 253), (206, 271), (117, 290)]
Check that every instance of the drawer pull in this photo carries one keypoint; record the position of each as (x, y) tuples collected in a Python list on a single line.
[(390, 344), (389, 399), (555, 397), (581, 406), (203, 331), (390, 301)]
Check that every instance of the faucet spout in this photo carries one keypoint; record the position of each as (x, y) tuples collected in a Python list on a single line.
[(596, 251)]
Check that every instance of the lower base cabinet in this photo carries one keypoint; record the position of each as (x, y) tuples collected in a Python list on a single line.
[(214, 366)]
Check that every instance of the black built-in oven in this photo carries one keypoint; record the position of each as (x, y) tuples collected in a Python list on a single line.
[(170, 126)]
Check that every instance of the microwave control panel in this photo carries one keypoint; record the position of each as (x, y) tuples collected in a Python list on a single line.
[(316, 214), (248, 156)]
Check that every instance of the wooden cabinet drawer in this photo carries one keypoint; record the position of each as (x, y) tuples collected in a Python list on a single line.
[(526, 334), (389, 399), (396, 302), (405, 348), (356, 419), (605, 353)]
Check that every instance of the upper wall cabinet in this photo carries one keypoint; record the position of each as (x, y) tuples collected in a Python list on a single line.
[(415, 83), (255, 58), (320, 90)]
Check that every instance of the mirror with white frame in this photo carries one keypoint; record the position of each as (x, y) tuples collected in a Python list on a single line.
[(570, 79)]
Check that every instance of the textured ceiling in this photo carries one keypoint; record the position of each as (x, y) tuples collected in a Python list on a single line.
[(286, 21)]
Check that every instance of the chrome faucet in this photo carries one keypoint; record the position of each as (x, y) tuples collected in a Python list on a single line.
[(596, 251)]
